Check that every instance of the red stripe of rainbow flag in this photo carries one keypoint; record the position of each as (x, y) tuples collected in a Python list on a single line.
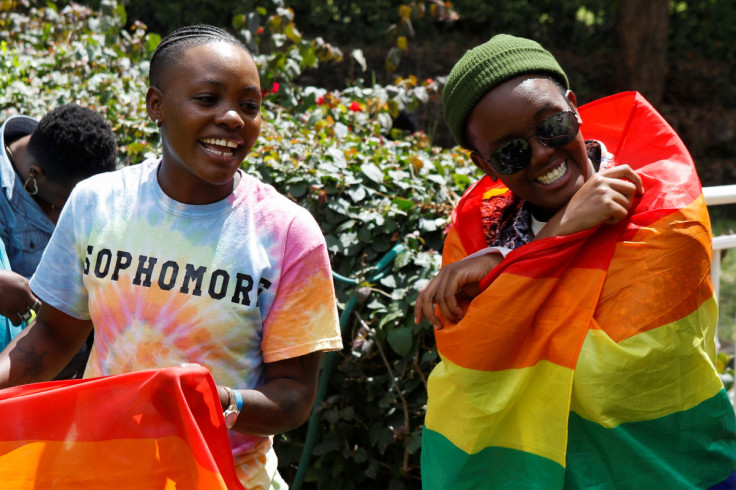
[(155, 429)]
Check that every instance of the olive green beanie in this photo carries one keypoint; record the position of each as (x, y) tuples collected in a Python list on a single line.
[(484, 67)]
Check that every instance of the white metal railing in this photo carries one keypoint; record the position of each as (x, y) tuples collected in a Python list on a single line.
[(722, 194)]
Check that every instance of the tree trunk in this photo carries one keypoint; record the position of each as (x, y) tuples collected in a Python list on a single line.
[(641, 38)]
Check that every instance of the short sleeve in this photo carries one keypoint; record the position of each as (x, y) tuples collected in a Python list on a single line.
[(303, 318), (58, 280)]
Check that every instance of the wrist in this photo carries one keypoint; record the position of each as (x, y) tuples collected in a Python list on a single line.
[(235, 405)]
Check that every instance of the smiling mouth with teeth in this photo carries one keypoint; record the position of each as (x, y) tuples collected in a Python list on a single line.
[(221, 147), (553, 175)]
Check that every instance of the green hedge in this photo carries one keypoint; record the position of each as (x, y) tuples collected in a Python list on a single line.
[(369, 187), (334, 152)]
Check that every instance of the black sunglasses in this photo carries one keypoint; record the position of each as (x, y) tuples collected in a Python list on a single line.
[(554, 132)]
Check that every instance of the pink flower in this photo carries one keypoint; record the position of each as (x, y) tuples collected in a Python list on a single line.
[(355, 107), (275, 87)]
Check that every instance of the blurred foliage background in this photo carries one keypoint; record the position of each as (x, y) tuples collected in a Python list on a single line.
[(353, 132)]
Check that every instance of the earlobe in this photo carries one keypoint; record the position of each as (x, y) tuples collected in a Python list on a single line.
[(573, 101), (154, 100), (35, 170)]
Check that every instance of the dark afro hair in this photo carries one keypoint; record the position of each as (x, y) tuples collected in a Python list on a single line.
[(71, 143), (174, 45)]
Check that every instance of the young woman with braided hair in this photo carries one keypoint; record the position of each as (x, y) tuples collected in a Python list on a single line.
[(186, 259)]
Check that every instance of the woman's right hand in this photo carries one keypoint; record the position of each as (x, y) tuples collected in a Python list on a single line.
[(605, 198), (16, 297), (457, 280)]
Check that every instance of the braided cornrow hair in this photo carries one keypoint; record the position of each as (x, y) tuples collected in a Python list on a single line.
[(183, 38)]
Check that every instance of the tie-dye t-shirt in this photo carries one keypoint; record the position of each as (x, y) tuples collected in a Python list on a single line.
[(228, 285)]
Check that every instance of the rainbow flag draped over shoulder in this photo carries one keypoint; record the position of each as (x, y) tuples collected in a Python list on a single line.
[(156, 429), (588, 360)]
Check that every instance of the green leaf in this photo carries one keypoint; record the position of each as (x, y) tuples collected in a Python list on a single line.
[(427, 225), (347, 239), (122, 15), (333, 244), (357, 193), (340, 130), (381, 243), (373, 468), (310, 59), (358, 56), (415, 443), (400, 339), (313, 118), (153, 41), (298, 190), (372, 171), (135, 148), (389, 226), (293, 33), (403, 204), (326, 447), (338, 157), (360, 456), (385, 120), (421, 94), (437, 179), (461, 180), (239, 21), (387, 437), (388, 281)]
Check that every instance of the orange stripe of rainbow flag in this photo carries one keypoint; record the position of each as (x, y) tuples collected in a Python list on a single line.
[(149, 429)]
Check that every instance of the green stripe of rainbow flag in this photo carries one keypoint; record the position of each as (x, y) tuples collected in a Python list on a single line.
[(503, 467)]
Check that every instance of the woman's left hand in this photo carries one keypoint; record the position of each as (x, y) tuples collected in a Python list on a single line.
[(16, 298)]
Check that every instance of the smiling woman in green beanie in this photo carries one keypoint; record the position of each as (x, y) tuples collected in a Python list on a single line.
[(574, 312)]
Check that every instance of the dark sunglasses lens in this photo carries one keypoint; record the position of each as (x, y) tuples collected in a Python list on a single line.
[(558, 130), (512, 156)]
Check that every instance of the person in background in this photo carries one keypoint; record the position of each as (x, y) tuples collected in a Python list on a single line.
[(40, 163), (574, 313), (187, 259)]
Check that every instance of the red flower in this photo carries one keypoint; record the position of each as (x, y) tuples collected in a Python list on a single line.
[(259, 30), (355, 107), (275, 87), (320, 100)]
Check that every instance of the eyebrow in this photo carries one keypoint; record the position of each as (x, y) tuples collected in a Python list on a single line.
[(218, 83)]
